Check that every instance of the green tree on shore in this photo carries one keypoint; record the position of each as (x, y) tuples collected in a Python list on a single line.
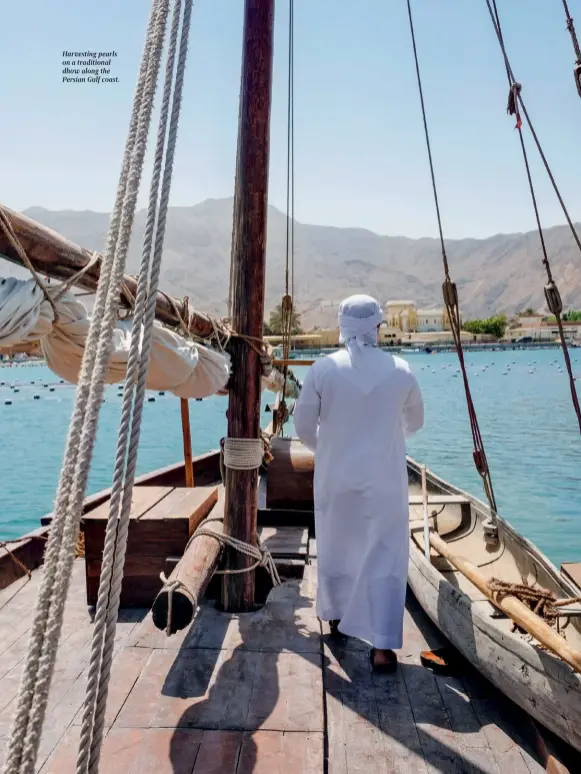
[(493, 326), (274, 325)]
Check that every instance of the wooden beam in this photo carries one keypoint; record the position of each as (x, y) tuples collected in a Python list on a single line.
[(279, 363), (54, 256), (187, 436), (513, 607), (248, 271), (191, 576)]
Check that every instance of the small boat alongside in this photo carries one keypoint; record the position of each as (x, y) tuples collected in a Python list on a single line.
[(533, 677)]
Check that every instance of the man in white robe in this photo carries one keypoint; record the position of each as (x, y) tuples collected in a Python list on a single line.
[(355, 409)]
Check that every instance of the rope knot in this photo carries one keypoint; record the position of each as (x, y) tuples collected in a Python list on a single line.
[(512, 106)]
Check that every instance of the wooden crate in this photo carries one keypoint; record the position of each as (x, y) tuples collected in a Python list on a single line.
[(162, 520)]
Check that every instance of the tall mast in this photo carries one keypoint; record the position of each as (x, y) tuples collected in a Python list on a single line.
[(247, 278)]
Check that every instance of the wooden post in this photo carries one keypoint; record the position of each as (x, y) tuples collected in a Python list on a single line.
[(248, 268), (187, 436)]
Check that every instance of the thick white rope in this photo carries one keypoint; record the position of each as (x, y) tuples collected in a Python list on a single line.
[(32, 699), (129, 431), (243, 453)]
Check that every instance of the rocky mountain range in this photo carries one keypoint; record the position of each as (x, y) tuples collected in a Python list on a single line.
[(502, 273)]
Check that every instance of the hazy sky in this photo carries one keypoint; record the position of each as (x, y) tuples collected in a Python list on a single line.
[(360, 153)]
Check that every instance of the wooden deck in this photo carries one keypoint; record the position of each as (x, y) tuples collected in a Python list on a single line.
[(267, 692)]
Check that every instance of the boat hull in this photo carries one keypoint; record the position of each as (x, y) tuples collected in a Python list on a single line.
[(543, 685)]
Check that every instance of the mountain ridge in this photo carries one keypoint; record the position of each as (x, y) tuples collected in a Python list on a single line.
[(500, 273)]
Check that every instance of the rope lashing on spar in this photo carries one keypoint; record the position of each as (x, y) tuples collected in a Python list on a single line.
[(576, 47), (450, 293), (261, 555), (542, 602), (235, 454), (8, 231), (552, 294)]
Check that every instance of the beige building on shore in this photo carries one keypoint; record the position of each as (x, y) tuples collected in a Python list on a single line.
[(404, 323)]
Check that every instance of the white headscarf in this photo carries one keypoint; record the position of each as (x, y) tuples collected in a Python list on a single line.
[(359, 317)]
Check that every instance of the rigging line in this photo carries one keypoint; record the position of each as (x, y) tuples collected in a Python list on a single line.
[(452, 308), (287, 305), (529, 122), (292, 69), (552, 294), (571, 28)]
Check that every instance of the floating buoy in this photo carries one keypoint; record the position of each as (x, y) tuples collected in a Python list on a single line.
[(161, 393), (151, 400), (45, 385), (16, 390), (37, 397), (7, 402), (32, 382), (62, 381), (198, 400)]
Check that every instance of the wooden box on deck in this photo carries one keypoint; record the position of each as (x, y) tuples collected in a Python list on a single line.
[(162, 520), (290, 475)]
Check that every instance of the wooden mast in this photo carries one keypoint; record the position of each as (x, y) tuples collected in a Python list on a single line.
[(247, 277)]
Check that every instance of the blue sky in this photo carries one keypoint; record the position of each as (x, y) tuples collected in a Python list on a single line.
[(360, 154)]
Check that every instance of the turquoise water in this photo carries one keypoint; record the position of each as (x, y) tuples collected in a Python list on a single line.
[(526, 417)]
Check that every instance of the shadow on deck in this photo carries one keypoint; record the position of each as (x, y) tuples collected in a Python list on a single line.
[(270, 692)]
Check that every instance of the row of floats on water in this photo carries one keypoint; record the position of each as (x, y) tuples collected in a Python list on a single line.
[(52, 387), (507, 368)]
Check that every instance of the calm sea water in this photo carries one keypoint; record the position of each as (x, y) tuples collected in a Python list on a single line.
[(530, 433)]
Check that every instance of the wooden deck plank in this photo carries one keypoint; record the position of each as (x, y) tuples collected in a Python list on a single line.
[(245, 694), (285, 541), (273, 752), (369, 717), (287, 622), (195, 689), (287, 694)]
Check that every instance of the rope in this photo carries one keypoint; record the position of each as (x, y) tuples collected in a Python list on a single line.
[(133, 399), (72, 281), (451, 301), (571, 28), (59, 557), (5, 543), (287, 303), (243, 453), (541, 601), (552, 294), (261, 555), (10, 235)]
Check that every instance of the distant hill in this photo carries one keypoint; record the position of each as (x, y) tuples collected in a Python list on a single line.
[(500, 274)]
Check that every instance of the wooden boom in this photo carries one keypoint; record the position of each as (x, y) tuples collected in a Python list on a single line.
[(54, 256), (513, 607), (191, 575)]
